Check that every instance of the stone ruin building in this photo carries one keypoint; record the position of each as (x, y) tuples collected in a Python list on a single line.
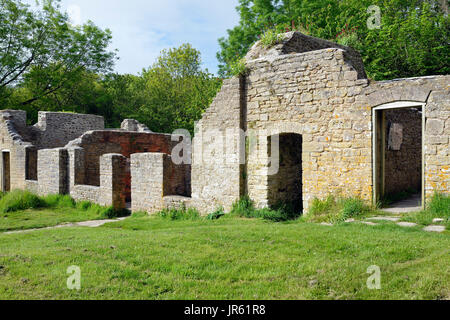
[(304, 122)]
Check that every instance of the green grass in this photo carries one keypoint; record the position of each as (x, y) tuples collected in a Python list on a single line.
[(439, 207), (230, 258), (334, 210), (21, 210)]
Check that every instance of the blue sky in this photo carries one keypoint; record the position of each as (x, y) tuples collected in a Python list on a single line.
[(142, 28)]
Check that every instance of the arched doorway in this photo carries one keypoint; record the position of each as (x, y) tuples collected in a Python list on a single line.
[(286, 171)]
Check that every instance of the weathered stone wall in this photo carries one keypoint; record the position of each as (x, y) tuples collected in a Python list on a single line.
[(52, 130), (323, 96), (114, 169), (155, 177), (217, 173), (56, 129), (311, 94), (433, 91), (52, 171), (403, 166), (437, 136), (97, 143)]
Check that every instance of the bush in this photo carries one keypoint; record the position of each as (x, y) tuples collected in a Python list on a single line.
[(336, 210), (180, 214), (20, 200)]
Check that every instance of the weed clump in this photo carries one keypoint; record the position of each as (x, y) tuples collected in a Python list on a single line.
[(335, 210)]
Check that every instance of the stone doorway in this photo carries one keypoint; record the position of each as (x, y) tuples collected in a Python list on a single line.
[(398, 153), (285, 177), (6, 171)]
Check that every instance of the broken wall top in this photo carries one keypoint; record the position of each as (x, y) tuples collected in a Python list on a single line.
[(296, 42)]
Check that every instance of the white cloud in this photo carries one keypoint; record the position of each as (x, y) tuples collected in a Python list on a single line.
[(142, 28)]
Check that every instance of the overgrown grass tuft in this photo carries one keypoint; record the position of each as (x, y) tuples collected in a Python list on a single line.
[(270, 38), (333, 210), (238, 67), (20, 200), (58, 201), (182, 213), (282, 212)]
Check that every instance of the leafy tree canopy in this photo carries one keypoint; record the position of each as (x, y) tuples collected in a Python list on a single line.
[(41, 50), (412, 40)]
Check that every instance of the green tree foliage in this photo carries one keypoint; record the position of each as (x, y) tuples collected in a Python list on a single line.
[(42, 51), (177, 90), (412, 40)]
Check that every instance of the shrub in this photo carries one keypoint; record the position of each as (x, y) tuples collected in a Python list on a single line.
[(180, 214), (20, 200), (270, 38), (336, 210)]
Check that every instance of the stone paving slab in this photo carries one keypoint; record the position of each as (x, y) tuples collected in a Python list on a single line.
[(369, 223), (392, 219), (434, 229), (90, 224), (438, 220), (407, 224)]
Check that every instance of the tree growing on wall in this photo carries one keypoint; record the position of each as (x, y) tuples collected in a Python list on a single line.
[(412, 39), (42, 51)]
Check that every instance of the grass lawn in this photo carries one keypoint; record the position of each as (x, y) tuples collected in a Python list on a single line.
[(40, 218), (230, 258)]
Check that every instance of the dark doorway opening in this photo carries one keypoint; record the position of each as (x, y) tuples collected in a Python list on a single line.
[(285, 184), (6, 174), (399, 155)]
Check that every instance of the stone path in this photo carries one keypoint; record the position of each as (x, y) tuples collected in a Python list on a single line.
[(396, 220), (90, 224)]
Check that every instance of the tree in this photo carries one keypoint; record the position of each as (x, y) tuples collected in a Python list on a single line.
[(412, 41), (177, 90), (43, 52)]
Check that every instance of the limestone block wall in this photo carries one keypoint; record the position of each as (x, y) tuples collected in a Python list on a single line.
[(217, 169), (403, 167), (147, 176), (113, 172), (97, 143), (437, 136), (12, 142), (155, 176), (56, 129), (433, 91), (311, 94), (52, 171), (22, 142)]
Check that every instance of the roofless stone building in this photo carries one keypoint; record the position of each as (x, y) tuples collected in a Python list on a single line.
[(303, 122)]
